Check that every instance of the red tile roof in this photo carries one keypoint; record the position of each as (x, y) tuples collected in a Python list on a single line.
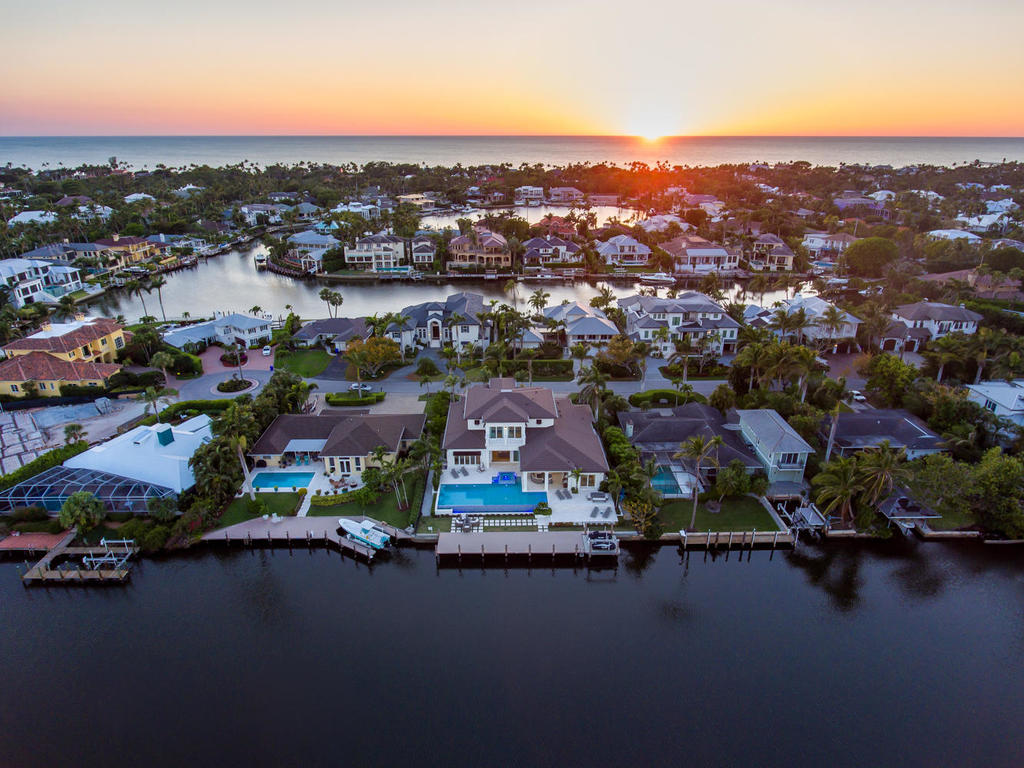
[(91, 331), (39, 366)]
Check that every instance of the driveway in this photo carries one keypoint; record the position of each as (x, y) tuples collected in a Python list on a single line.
[(205, 387)]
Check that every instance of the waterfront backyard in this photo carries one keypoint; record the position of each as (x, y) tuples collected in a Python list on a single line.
[(741, 513)]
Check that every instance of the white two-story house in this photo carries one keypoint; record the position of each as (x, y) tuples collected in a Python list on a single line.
[(29, 280), (624, 251), (378, 253), (695, 254), (690, 314), (307, 250), (536, 438), (937, 319), (543, 251), (453, 322)]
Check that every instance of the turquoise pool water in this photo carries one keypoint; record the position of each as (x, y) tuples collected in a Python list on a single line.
[(282, 479), (664, 482), (477, 498)]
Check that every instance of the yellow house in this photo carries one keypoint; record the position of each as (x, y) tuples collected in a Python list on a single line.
[(48, 373), (93, 340), (129, 250)]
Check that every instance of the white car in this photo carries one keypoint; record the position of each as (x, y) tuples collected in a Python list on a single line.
[(266, 351), (359, 387), (857, 396)]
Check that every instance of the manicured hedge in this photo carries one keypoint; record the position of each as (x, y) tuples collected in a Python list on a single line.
[(346, 399), (664, 397), (40, 463), (212, 408), (541, 368)]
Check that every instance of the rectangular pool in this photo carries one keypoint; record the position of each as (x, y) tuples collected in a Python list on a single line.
[(488, 498), (285, 480), (665, 483)]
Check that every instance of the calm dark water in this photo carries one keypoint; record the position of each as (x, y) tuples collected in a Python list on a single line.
[(893, 655), (149, 151)]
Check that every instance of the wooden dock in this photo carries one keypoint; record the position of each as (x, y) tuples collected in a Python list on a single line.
[(732, 539), (527, 544), (43, 572), (300, 531)]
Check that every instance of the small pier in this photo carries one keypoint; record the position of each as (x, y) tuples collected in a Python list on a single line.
[(727, 540), (292, 531), (105, 564), (519, 544)]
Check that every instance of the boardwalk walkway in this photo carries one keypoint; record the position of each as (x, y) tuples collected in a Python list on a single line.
[(519, 544), (43, 572)]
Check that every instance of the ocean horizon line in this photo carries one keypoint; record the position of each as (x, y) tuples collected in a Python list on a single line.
[(667, 137)]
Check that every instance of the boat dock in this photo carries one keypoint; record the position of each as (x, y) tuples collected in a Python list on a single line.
[(300, 530), (107, 563), (575, 544)]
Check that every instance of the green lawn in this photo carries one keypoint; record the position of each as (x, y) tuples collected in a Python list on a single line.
[(950, 522), (283, 504), (441, 524), (384, 509), (304, 362), (739, 513)]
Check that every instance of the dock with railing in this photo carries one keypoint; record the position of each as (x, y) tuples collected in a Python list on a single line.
[(107, 563), (525, 544), (300, 531)]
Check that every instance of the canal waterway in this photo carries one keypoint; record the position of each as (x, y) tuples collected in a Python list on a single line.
[(231, 283), (898, 654)]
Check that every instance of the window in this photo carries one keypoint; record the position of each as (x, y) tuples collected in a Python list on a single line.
[(119, 342), (103, 341), (85, 351), (464, 457), (588, 481), (790, 459), (359, 464), (14, 387), (496, 433), (515, 432), (990, 406)]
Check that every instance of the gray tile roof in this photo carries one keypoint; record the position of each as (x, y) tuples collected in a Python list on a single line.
[(773, 431), (933, 310)]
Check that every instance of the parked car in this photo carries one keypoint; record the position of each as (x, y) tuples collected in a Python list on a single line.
[(266, 351), (857, 396), (359, 387)]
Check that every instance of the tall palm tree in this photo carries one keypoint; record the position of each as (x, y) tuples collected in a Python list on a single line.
[(157, 283), (579, 352), (985, 344), (755, 356), (947, 349), (593, 383), (163, 361), (832, 319), (699, 449), (640, 352), (154, 396), (759, 286), (511, 286), (681, 355), (882, 468), (839, 484), (240, 444)]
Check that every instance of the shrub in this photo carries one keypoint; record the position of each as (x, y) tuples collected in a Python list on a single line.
[(40, 463), (232, 358), (189, 407), (29, 514), (346, 400), (234, 385), (664, 397), (155, 538)]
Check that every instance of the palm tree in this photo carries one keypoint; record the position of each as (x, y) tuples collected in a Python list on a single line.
[(874, 321), (640, 352), (154, 396), (755, 356), (986, 343), (759, 286), (683, 349), (539, 300), (325, 297), (699, 449), (593, 385), (832, 319), (73, 433), (944, 350), (838, 485), (67, 305), (239, 444), (157, 283), (511, 286), (255, 309), (163, 361), (882, 468), (401, 323), (529, 355), (579, 352)]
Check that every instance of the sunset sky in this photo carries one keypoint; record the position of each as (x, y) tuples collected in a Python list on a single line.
[(648, 67)]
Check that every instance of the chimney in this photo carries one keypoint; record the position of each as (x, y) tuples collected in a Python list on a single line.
[(629, 429), (164, 435), (46, 326)]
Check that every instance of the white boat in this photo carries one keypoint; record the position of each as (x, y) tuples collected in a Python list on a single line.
[(658, 278), (365, 532)]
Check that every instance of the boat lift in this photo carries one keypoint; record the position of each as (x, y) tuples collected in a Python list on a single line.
[(114, 557)]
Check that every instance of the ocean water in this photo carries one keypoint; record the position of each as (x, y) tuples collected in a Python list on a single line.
[(141, 152)]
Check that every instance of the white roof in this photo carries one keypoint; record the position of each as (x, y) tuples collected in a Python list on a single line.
[(141, 454), (953, 234), (1008, 394), (773, 431), (26, 217)]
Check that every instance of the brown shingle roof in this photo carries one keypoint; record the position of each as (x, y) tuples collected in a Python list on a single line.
[(39, 366), (288, 427), (360, 435), (79, 337), (571, 443), (500, 400)]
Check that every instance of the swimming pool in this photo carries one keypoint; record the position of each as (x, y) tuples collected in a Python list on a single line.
[(665, 483), (488, 498), (286, 480)]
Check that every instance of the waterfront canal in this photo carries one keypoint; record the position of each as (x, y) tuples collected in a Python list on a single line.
[(878, 655), (231, 283)]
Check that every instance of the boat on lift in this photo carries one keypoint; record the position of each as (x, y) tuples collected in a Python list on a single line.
[(365, 532)]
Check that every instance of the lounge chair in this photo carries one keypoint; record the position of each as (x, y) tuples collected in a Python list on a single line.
[(455, 472), (594, 512), (607, 512), (465, 472)]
